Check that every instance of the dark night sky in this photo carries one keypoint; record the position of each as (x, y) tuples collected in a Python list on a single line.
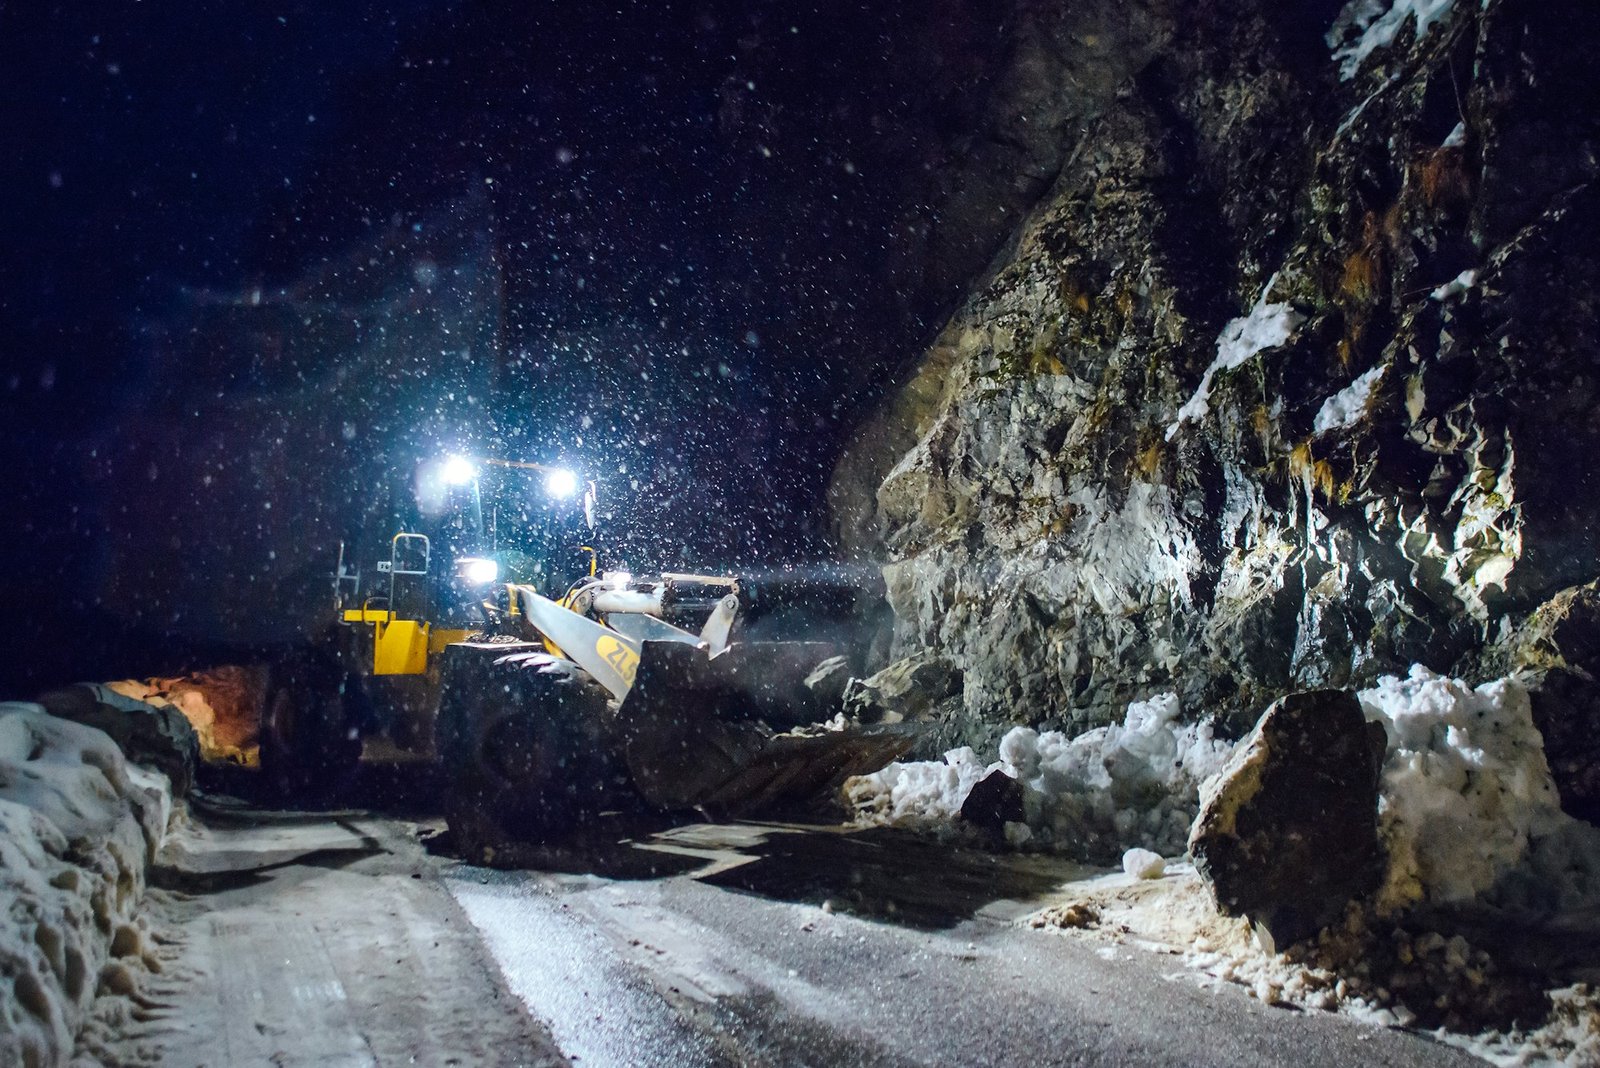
[(146, 140), (693, 210)]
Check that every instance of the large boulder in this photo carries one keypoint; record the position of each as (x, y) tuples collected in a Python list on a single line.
[(907, 689), (1556, 650), (826, 684), (1288, 831)]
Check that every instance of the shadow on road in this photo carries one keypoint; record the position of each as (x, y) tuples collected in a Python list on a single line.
[(885, 874), (891, 875)]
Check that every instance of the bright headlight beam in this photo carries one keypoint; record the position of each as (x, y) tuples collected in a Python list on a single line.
[(459, 471), (561, 483), (479, 571)]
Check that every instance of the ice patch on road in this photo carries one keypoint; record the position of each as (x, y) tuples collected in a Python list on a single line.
[(76, 832)]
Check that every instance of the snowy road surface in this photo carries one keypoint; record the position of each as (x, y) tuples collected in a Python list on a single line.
[(313, 940), (748, 945), (309, 940)]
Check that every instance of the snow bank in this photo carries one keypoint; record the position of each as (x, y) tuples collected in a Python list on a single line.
[(1468, 810), (1470, 817), (1348, 405), (1267, 326), (1119, 786), (924, 795), (76, 832), (1468, 807), (1364, 26), (1133, 784)]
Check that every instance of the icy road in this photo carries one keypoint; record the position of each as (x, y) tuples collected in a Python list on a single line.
[(750, 944), (311, 940)]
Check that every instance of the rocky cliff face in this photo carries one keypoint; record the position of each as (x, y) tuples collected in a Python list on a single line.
[(1288, 380)]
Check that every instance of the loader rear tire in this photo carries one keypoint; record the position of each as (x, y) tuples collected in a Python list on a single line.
[(309, 745), (520, 737)]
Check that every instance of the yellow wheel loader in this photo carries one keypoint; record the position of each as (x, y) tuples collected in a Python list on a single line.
[(550, 690)]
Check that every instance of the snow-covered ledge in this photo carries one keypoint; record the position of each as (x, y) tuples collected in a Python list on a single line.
[(79, 826)]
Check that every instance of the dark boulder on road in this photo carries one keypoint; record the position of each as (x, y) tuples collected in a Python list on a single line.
[(993, 802), (1288, 831)]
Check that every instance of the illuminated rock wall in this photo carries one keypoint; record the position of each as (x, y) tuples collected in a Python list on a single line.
[(1289, 379)]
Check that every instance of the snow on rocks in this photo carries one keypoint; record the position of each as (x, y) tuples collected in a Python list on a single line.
[(1364, 26), (1346, 407), (1469, 808), (1267, 326), (1122, 785), (77, 828), (1456, 287)]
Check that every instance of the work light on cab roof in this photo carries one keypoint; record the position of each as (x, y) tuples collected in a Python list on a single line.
[(561, 483), (459, 471)]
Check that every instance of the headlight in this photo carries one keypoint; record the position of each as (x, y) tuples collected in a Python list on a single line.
[(477, 570), (458, 471), (618, 580), (561, 483)]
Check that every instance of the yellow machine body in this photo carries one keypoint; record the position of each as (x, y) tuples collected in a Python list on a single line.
[(403, 646)]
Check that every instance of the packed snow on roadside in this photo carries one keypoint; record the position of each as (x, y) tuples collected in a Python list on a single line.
[(1133, 784), (1267, 326), (78, 825), (1364, 26), (924, 795), (1471, 820), (1468, 808), (1346, 407)]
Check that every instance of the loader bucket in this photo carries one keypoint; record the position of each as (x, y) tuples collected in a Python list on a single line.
[(709, 731)]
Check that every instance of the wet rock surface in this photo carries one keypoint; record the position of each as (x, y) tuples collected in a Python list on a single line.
[(1557, 650), (1287, 380), (1288, 832), (907, 689)]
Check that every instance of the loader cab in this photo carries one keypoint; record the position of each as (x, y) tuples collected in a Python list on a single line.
[(470, 528)]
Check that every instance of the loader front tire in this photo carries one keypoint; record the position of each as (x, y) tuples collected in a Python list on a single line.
[(519, 735)]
